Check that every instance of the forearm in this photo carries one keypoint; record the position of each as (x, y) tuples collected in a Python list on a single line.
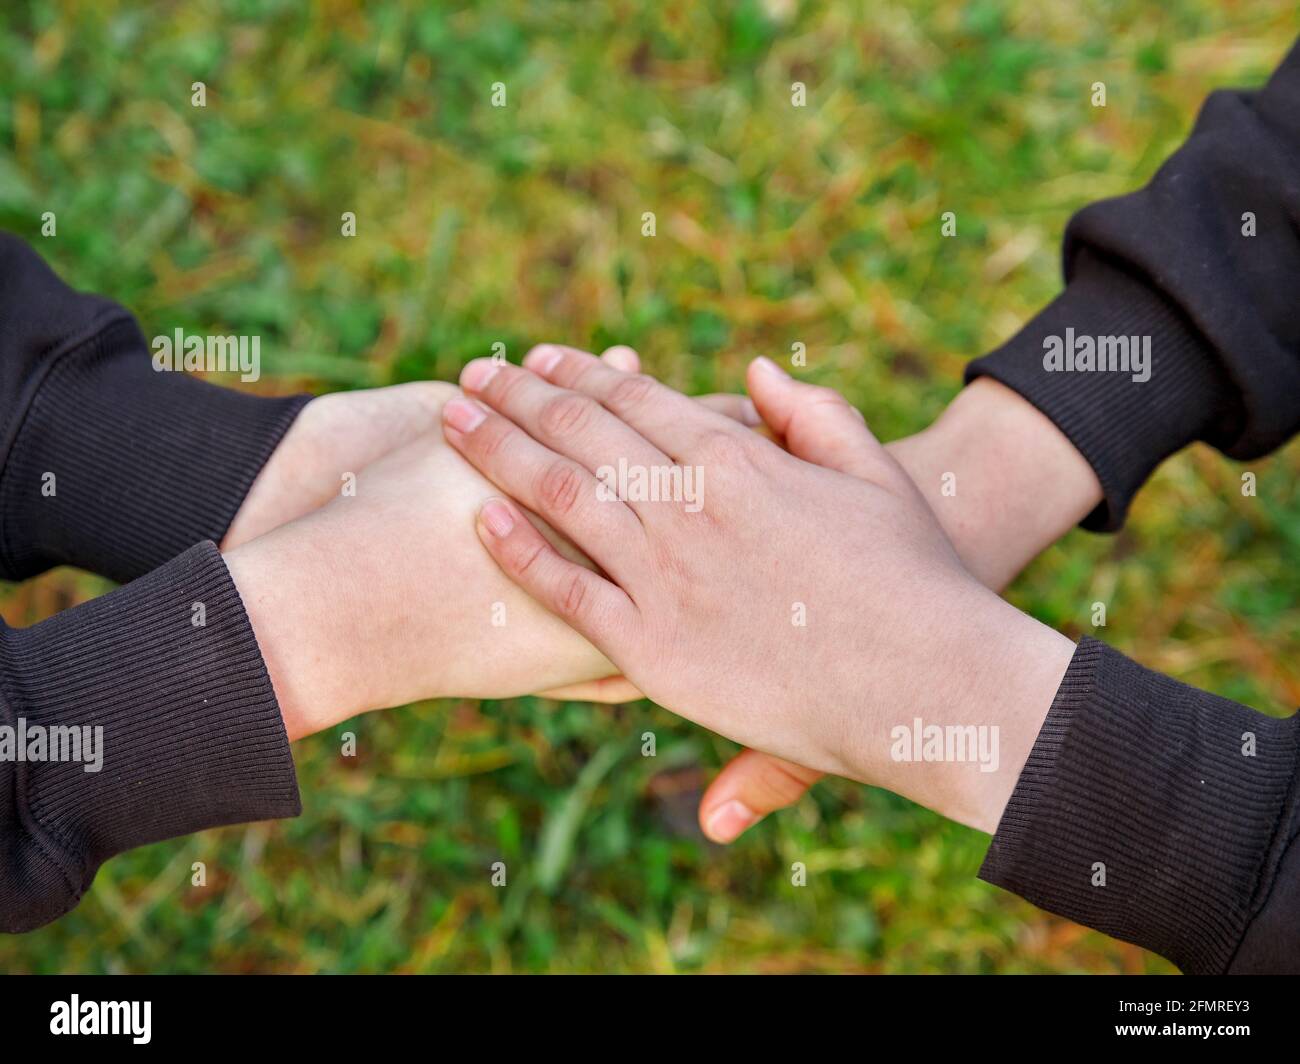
[(1004, 482), (1130, 775)]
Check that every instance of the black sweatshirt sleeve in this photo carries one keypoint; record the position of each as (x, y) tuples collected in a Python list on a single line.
[(1173, 262), (160, 686), (1161, 815), (177, 719), (105, 463), (1157, 813)]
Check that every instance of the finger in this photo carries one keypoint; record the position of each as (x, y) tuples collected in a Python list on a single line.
[(609, 690), (568, 422), (556, 488), (586, 602), (737, 407), (818, 424), (669, 420), (622, 358), (752, 785)]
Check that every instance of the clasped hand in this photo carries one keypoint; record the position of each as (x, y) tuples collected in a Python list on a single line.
[(809, 611), (804, 599)]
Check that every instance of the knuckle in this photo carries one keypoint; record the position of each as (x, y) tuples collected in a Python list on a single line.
[(493, 438), (824, 396), (558, 489), (573, 595), (566, 415), (527, 557), (722, 448), (675, 571), (505, 383), (584, 372), (781, 784), (631, 392), (825, 403)]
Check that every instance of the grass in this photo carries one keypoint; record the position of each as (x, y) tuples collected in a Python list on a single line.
[(775, 225)]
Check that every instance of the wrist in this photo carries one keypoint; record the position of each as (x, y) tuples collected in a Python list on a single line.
[(1022, 664), (295, 619), (997, 673), (1002, 479)]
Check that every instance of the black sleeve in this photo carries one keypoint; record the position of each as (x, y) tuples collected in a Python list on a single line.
[(142, 715), (1161, 815), (105, 463), (147, 713), (1173, 262)]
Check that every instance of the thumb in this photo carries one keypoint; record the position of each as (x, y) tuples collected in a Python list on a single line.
[(752, 785), (818, 424)]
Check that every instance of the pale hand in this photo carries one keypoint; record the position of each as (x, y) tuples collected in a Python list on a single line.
[(803, 610)]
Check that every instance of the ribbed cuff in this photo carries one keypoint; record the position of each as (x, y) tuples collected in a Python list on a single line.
[(117, 467), (1140, 812), (191, 731), (1122, 426)]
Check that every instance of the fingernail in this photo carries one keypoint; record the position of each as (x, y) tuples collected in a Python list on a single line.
[(475, 376), (497, 518), (749, 413), (768, 366), (729, 821), (620, 356), (462, 415), (541, 359)]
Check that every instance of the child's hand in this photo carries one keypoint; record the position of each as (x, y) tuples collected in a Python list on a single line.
[(703, 605), (1017, 485), (340, 434), (1022, 485), (356, 557)]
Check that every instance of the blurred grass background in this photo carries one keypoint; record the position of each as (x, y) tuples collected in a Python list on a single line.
[(775, 225)]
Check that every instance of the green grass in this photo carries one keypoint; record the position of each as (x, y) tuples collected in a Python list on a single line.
[(775, 225)]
